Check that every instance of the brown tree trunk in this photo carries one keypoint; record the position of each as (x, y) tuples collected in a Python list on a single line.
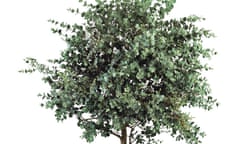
[(123, 137)]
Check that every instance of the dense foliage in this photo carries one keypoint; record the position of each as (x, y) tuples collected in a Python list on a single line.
[(128, 71)]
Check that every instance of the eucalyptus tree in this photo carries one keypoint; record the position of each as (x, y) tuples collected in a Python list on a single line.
[(128, 71)]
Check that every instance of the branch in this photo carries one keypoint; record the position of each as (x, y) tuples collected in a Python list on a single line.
[(87, 119), (132, 127), (130, 136), (115, 134), (135, 125)]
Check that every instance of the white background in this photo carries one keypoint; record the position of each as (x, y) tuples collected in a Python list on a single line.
[(24, 31)]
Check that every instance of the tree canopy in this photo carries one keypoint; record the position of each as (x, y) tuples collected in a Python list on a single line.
[(128, 71)]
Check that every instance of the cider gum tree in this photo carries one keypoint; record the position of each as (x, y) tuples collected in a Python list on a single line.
[(128, 71)]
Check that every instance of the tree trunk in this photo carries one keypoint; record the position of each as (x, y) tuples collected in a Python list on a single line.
[(123, 137)]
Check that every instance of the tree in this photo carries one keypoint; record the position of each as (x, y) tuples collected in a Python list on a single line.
[(129, 72)]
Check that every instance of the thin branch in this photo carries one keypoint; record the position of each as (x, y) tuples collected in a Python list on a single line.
[(88, 119), (115, 134), (94, 118), (130, 136), (135, 125)]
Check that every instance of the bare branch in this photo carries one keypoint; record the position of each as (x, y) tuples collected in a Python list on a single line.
[(115, 134), (135, 125), (86, 119), (131, 135)]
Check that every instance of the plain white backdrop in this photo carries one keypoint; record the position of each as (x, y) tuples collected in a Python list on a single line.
[(24, 31)]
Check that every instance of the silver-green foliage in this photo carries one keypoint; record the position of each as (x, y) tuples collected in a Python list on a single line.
[(127, 67)]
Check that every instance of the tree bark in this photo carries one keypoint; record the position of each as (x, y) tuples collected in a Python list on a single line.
[(123, 137)]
